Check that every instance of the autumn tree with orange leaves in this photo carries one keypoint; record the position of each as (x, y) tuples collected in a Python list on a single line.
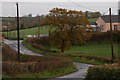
[(69, 27)]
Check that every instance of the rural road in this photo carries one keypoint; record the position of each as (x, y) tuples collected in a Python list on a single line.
[(82, 68), (23, 49)]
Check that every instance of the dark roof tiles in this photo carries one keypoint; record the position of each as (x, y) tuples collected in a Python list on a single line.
[(115, 18)]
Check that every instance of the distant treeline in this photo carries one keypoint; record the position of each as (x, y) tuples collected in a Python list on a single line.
[(28, 21), (25, 22)]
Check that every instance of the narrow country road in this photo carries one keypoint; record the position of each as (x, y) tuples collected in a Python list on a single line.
[(82, 68), (23, 49)]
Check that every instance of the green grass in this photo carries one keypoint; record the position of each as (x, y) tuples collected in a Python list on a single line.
[(25, 32), (75, 59), (96, 50), (92, 19), (48, 74), (7, 18), (33, 49), (45, 74)]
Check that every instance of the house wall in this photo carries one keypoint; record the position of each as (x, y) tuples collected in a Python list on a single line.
[(100, 22), (106, 26)]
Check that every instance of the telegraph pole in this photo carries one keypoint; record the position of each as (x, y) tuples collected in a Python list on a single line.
[(49, 39), (18, 32), (111, 36), (118, 33), (7, 31)]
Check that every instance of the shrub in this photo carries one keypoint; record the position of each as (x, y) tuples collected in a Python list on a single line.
[(97, 58), (105, 72), (8, 54), (33, 66), (42, 48), (41, 40), (29, 63), (105, 36), (89, 57), (32, 40)]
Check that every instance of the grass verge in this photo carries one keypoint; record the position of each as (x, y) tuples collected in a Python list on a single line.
[(72, 57)]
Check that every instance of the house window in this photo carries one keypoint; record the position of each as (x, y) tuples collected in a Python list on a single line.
[(115, 27)]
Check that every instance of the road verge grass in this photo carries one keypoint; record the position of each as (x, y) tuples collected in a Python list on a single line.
[(74, 58)]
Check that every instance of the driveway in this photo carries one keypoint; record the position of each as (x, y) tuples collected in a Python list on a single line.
[(82, 68)]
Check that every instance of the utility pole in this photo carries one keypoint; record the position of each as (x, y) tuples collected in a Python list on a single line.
[(111, 36), (18, 32), (49, 39), (118, 34), (7, 31)]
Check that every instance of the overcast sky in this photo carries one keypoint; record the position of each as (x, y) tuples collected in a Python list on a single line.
[(38, 7)]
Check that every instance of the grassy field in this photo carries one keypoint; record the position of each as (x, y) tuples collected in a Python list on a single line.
[(103, 49), (30, 31), (97, 50), (73, 50), (92, 19)]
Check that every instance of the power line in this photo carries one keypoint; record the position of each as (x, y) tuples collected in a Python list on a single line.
[(82, 6), (88, 8)]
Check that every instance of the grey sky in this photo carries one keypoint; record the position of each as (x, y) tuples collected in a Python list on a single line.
[(9, 8)]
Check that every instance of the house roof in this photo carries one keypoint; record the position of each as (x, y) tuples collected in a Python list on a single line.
[(115, 18)]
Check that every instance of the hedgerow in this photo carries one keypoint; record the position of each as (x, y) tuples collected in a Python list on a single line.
[(104, 72), (30, 64), (105, 37)]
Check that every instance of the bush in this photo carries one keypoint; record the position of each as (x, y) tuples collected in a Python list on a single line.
[(33, 66), (97, 58), (88, 57), (105, 36), (30, 64), (41, 40), (42, 48), (8, 54), (105, 72)]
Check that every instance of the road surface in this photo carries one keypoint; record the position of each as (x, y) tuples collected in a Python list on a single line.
[(82, 68), (23, 49)]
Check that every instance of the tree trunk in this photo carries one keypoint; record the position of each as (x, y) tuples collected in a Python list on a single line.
[(62, 46)]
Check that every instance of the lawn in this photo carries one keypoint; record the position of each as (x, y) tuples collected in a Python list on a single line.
[(30, 31)]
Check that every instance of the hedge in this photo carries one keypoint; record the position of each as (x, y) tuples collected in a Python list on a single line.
[(32, 67), (30, 63), (89, 57), (105, 72), (105, 36)]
